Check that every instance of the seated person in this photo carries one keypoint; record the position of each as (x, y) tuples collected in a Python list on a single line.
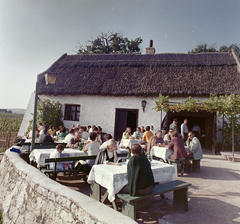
[(155, 140), (147, 134), (92, 148), (140, 176), (194, 147), (51, 130), (167, 137), (74, 142), (63, 132), (137, 134), (127, 133), (108, 155), (84, 132), (45, 137), (29, 135), (69, 136), (177, 145), (142, 129), (107, 137), (57, 154)]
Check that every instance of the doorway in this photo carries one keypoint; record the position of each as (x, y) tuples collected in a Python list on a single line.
[(125, 118), (203, 119)]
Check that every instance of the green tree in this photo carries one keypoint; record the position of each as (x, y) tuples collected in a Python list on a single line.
[(212, 48), (48, 113), (110, 42)]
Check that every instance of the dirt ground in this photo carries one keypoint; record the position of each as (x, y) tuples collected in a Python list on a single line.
[(214, 196)]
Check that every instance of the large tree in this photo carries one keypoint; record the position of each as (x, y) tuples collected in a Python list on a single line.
[(111, 42), (212, 48)]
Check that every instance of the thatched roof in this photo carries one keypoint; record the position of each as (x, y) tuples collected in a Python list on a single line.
[(141, 75)]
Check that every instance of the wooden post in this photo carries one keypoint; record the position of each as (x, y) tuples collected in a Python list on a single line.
[(232, 138), (214, 135)]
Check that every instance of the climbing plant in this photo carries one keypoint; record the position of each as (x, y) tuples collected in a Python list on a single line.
[(226, 105)]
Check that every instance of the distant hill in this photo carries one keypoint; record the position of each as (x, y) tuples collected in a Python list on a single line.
[(17, 111)]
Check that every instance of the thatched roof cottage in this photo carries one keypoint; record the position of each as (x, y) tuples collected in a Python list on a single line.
[(107, 90)]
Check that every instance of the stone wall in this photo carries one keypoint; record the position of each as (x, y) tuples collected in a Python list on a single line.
[(28, 196)]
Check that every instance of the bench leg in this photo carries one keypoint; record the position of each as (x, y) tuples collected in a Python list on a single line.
[(180, 199), (129, 210), (95, 191)]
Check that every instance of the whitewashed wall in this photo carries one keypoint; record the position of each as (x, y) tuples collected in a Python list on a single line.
[(100, 110), (28, 196)]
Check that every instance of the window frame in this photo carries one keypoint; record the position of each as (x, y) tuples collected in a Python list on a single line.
[(72, 112)]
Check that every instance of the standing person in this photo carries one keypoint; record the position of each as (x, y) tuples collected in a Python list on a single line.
[(174, 126), (139, 172), (195, 148), (45, 137), (152, 130), (147, 134), (184, 129)]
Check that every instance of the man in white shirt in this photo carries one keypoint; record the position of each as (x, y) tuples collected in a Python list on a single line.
[(184, 129), (69, 136)]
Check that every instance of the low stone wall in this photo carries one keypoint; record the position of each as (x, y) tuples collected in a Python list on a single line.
[(28, 196)]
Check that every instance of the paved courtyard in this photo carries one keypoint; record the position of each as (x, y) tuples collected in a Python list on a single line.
[(214, 196)]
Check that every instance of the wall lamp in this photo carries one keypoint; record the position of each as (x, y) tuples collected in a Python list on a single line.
[(144, 102)]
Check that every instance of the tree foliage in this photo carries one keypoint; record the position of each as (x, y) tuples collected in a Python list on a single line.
[(5, 111), (212, 48), (110, 42), (48, 113)]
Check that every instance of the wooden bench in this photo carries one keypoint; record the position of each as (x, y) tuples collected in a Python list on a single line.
[(176, 162), (180, 200), (54, 171)]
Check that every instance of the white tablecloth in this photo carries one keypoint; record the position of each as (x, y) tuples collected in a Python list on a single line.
[(129, 143), (113, 177), (39, 155), (162, 152)]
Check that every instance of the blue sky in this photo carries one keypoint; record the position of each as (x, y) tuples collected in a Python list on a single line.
[(35, 33)]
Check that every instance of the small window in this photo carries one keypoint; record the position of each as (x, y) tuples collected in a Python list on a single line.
[(72, 112)]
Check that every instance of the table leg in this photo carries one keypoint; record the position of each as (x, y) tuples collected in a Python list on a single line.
[(95, 191), (104, 199)]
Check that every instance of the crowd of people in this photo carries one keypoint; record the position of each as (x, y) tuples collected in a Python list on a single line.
[(183, 144)]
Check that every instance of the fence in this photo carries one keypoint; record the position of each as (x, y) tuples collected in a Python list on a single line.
[(7, 139)]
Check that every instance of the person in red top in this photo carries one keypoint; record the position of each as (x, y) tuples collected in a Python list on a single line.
[(177, 144)]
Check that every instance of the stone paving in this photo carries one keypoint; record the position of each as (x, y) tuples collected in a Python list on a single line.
[(214, 196)]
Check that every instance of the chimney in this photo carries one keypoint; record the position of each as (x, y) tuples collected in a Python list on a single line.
[(150, 49)]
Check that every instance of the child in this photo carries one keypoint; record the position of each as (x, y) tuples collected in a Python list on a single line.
[(57, 154)]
